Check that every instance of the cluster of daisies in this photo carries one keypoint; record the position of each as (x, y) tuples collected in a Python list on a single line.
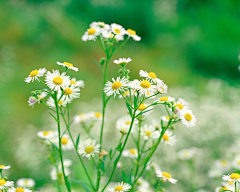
[(108, 32), (67, 88), (231, 183), (23, 184)]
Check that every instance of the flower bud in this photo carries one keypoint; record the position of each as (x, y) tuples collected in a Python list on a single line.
[(175, 116), (102, 61), (32, 100), (109, 44), (175, 109)]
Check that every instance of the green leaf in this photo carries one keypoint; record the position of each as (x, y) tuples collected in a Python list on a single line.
[(84, 185), (54, 145), (102, 166), (98, 65), (119, 147), (125, 177), (143, 112), (161, 123), (77, 141), (53, 116), (116, 161), (129, 109), (110, 154), (135, 101), (130, 179)]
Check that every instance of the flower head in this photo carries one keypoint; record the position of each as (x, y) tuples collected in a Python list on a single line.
[(122, 61), (168, 138), (123, 124), (149, 132), (132, 153), (47, 134), (133, 34), (144, 87), (79, 83), (188, 118), (234, 177), (55, 80), (113, 88), (71, 93), (4, 184), (91, 33), (26, 182), (61, 102), (167, 176), (149, 76), (4, 167), (88, 148), (101, 25), (120, 187), (118, 29), (68, 65), (35, 74), (19, 189)]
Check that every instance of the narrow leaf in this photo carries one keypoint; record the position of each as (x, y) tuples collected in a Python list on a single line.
[(116, 161), (129, 109), (125, 177), (97, 65), (102, 166), (54, 145), (77, 141), (119, 147), (110, 153)]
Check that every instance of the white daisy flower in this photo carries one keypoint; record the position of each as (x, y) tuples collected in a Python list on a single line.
[(127, 94), (88, 148), (161, 87), (167, 176), (35, 74), (122, 61), (223, 164), (144, 107), (31, 101), (133, 34), (116, 86), (68, 65), (235, 162), (120, 187), (4, 167), (186, 154), (91, 33), (165, 118), (79, 83), (117, 29), (182, 104), (26, 182), (119, 165), (166, 99), (110, 35), (4, 184), (153, 165), (234, 177), (47, 134), (144, 87), (61, 103), (149, 132), (55, 80), (41, 96), (168, 138), (95, 115), (188, 118), (66, 143), (81, 118), (123, 124), (102, 25), (54, 173), (19, 189), (71, 93), (132, 153), (150, 76), (66, 163)]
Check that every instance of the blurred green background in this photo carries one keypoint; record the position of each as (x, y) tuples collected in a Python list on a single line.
[(185, 42)]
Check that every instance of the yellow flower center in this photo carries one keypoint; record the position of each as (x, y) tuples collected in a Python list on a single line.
[(26, 182), (168, 118), (91, 31), (132, 151), (97, 114), (128, 122), (45, 133), (238, 162), (64, 141), (60, 102), (188, 117), (58, 80), (165, 174), (119, 188), (180, 106), (89, 149), (2, 166), (224, 162), (163, 98), (19, 190), (148, 133), (165, 137), (152, 75), (145, 84), (117, 31), (230, 182), (141, 107), (225, 188), (34, 73), (73, 82), (132, 32), (235, 176), (67, 91), (116, 85), (68, 64), (2, 182), (125, 93)]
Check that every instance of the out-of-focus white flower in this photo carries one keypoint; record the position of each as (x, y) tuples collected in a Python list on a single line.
[(149, 132), (133, 34), (223, 165), (113, 88), (186, 154), (110, 35), (236, 162), (165, 118), (68, 65), (121, 187), (169, 138), (143, 185), (4, 184), (66, 143), (132, 153), (26, 182), (35, 74), (188, 118), (31, 101), (153, 165), (122, 61), (91, 33), (47, 134), (55, 173), (119, 165), (55, 81), (166, 176), (123, 124), (102, 25), (81, 117), (88, 148), (95, 115)]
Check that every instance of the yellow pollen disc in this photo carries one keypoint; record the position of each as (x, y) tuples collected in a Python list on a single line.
[(125, 93), (132, 151), (224, 162), (91, 31), (235, 176), (45, 133), (67, 91), (116, 85), (163, 98), (60, 102), (117, 31), (225, 188), (230, 182), (145, 84), (26, 182), (148, 93), (119, 188), (34, 73), (165, 137), (97, 114), (89, 149), (168, 118), (132, 32), (142, 107), (180, 106), (148, 133), (58, 80), (188, 117), (238, 163), (2, 166), (152, 75), (165, 174), (73, 82), (64, 141), (68, 64), (128, 122), (2, 182), (19, 190)]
